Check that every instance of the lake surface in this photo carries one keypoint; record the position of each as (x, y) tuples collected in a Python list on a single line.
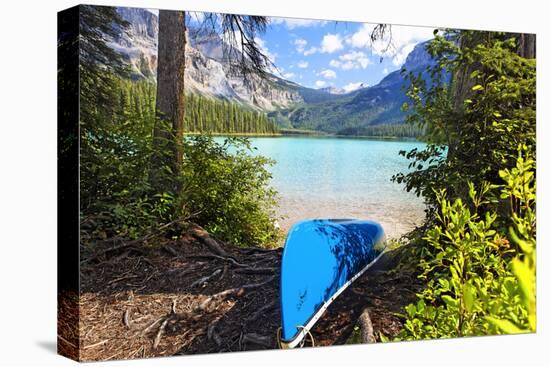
[(329, 177)]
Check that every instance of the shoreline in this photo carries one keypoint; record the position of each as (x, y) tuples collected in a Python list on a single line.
[(306, 133), (396, 218)]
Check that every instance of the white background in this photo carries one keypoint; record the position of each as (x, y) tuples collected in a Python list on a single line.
[(28, 181)]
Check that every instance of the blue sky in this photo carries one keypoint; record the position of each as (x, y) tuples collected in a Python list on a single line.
[(320, 53), (326, 53)]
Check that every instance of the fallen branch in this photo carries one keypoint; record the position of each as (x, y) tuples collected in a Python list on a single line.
[(205, 279), (126, 318), (152, 325), (122, 278), (367, 330), (95, 344), (160, 332)]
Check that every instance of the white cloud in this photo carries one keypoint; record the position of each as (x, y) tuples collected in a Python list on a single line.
[(261, 44), (302, 64), (395, 45), (300, 44), (331, 43), (320, 83), (328, 74), (311, 51), (351, 60), (292, 23), (401, 55), (288, 75), (385, 71), (361, 38), (353, 86)]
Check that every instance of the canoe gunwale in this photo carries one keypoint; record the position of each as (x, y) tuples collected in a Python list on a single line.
[(289, 344)]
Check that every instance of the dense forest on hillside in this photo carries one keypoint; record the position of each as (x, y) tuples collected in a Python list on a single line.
[(385, 130), (136, 100), (343, 116), (210, 115)]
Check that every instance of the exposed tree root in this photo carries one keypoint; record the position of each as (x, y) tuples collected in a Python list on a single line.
[(179, 301)]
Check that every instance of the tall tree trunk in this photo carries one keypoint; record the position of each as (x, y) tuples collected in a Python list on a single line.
[(527, 45), (170, 108)]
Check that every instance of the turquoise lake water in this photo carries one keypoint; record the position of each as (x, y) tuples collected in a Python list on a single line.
[(322, 177)]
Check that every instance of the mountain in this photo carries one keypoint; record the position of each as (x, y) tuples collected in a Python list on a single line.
[(138, 43), (351, 112), (332, 90), (206, 72), (291, 105)]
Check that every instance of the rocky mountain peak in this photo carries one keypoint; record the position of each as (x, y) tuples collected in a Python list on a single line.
[(206, 72)]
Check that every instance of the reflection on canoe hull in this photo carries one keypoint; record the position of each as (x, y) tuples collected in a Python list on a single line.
[(320, 259)]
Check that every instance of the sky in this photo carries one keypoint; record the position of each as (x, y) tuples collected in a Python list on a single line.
[(320, 53)]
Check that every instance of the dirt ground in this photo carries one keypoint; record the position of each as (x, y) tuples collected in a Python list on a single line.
[(178, 297)]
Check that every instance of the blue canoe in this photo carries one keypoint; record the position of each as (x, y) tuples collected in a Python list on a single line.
[(321, 258)]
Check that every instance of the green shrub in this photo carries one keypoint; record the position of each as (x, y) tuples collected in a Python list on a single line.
[(478, 282), (226, 190), (477, 105)]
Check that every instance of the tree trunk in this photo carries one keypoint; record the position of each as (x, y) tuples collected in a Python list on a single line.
[(170, 108), (527, 45)]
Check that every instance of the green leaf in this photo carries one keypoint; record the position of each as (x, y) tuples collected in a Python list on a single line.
[(525, 277), (477, 87), (450, 301), (469, 297), (505, 326)]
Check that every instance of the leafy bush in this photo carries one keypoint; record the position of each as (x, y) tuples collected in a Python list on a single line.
[(226, 190), (472, 286), (477, 175), (116, 198), (477, 105)]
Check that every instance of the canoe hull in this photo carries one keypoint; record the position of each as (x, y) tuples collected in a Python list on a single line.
[(320, 260)]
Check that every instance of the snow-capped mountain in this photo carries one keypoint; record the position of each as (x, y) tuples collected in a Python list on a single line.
[(205, 73), (329, 109)]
